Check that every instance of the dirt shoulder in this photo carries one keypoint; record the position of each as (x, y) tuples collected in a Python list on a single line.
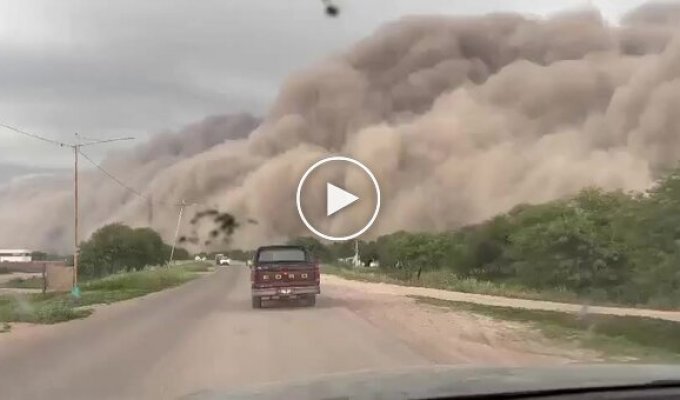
[(451, 337), (384, 288)]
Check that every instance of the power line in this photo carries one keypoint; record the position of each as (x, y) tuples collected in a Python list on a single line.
[(33, 135), (93, 141), (111, 176), (62, 144)]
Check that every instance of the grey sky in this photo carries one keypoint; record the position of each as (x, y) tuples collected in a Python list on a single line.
[(131, 67)]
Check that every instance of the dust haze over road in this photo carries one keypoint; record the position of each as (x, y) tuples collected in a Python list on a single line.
[(460, 118)]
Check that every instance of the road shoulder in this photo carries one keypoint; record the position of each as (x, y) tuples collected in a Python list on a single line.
[(447, 337)]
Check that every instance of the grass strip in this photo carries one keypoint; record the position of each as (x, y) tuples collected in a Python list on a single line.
[(51, 308), (630, 338), (446, 280)]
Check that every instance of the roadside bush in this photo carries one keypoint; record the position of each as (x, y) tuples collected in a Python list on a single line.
[(117, 247)]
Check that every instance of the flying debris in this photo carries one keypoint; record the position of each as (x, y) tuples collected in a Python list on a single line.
[(331, 9)]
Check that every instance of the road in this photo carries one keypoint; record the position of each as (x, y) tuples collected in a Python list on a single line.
[(201, 335), (205, 335)]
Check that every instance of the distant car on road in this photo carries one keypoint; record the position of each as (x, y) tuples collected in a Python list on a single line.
[(223, 261), (284, 272)]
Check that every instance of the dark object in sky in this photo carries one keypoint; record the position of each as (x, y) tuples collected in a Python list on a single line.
[(225, 223), (331, 9)]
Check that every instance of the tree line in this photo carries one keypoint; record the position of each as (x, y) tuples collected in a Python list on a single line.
[(602, 246), (117, 247)]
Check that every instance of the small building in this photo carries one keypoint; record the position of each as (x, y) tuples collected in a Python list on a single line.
[(15, 255)]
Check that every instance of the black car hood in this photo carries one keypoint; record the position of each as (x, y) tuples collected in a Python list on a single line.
[(440, 381)]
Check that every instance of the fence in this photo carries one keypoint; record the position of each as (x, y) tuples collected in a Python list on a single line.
[(57, 276)]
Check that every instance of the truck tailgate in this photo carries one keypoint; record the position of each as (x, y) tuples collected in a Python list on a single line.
[(285, 275)]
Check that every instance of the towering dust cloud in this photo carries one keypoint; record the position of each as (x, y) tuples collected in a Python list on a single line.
[(459, 118)]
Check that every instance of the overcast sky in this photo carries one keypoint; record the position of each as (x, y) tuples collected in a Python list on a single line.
[(135, 67)]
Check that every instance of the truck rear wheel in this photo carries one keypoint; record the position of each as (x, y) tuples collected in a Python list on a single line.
[(311, 300), (257, 302)]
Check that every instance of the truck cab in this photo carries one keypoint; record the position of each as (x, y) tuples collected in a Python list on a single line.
[(284, 273)]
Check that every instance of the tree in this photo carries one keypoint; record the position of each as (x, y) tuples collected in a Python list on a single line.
[(180, 253), (342, 249), (368, 251), (117, 247), (314, 246)]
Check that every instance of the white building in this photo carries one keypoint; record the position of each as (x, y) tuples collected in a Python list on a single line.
[(15, 255)]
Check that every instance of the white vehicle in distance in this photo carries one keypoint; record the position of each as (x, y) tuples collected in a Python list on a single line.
[(222, 260)]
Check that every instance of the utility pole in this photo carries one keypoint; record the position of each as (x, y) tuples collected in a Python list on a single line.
[(356, 260), (179, 222), (76, 150), (150, 210), (76, 251)]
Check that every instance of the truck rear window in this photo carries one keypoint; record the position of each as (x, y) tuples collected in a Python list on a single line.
[(281, 255)]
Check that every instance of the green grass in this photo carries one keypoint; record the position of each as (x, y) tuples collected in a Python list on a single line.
[(148, 281), (39, 308), (197, 267), (51, 308), (24, 283), (446, 280), (617, 337)]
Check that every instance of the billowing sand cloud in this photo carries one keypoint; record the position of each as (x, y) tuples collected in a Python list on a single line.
[(460, 119)]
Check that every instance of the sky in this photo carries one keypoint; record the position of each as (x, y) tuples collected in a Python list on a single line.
[(133, 68)]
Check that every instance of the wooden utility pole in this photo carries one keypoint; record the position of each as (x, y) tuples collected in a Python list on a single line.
[(76, 251), (150, 210), (179, 222), (76, 151)]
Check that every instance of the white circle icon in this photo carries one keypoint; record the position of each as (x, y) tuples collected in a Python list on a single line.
[(338, 198)]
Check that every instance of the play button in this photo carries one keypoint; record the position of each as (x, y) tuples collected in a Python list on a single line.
[(337, 199), (344, 181)]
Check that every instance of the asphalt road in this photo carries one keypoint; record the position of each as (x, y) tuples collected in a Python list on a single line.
[(202, 335)]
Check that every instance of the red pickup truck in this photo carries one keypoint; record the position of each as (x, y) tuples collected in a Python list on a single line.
[(284, 272)]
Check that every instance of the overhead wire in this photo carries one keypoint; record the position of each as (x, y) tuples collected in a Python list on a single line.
[(111, 176), (35, 136), (95, 164)]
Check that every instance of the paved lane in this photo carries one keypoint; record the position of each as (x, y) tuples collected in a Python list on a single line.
[(203, 335)]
